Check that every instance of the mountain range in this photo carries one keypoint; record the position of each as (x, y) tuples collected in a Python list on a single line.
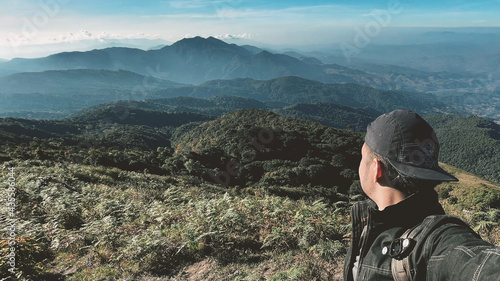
[(192, 60), (197, 60)]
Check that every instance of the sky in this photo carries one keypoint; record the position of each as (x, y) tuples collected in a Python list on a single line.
[(30, 28)]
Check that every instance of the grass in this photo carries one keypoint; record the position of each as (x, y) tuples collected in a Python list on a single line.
[(474, 200), (96, 223), (80, 222)]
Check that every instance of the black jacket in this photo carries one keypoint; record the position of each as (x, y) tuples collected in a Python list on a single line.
[(447, 249)]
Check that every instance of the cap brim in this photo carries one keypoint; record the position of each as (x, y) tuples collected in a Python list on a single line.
[(437, 174)]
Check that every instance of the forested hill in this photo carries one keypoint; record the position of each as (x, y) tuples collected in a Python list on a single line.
[(102, 127), (328, 114), (117, 114), (253, 147), (260, 147), (469, 142), (214, 106), (331, 115)]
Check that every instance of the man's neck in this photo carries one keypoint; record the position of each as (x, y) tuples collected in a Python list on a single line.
[(387, 196)]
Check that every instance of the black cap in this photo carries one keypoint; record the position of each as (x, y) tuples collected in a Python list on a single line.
[(409, 143)]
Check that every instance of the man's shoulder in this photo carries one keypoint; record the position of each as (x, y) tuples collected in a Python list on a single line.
[(440, 219), (432, 223), (437, 234)]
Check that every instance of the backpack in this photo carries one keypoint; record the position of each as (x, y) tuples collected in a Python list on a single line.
[(399, 249)]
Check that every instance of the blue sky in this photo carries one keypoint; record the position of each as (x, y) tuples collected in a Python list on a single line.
[(47, 22)]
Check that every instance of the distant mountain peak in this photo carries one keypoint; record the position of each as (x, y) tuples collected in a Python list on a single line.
[(199, 45), (199, 41)]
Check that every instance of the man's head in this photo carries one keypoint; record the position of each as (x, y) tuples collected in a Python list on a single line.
[(405, 149)]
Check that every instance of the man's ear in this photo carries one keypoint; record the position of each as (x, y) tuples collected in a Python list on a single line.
[(379, 169)]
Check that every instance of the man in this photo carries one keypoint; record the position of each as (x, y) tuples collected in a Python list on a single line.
[(401, 232)]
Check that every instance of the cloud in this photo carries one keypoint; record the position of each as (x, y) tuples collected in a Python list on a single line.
[(234, 36), (83, 40), (84, 35), (73, 37)]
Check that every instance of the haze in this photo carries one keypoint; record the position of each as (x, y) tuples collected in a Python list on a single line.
[(38, 28)]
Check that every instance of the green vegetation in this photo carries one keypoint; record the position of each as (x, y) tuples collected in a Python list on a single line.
[(214, 106), (116, 114), (94, 223), (474, 200), (250, 195), (469, 142), (331, 115), (255, 147), (119, 207)]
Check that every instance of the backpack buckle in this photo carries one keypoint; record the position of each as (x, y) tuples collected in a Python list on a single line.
[(399, 248)]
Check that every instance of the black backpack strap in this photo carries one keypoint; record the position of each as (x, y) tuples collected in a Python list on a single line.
[(401, 268)]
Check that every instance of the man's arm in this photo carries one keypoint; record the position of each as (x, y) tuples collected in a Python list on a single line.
[(458, 253)]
